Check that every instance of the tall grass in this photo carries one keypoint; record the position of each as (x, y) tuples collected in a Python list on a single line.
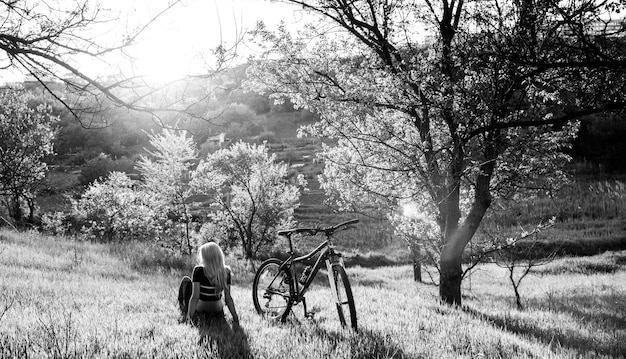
[(589, 215), (589, 219), (65, 299)]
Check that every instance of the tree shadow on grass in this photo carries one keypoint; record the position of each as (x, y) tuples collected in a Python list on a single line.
[(371, 344), (602, 313), (364, 343), (606, 310), (220, 339)]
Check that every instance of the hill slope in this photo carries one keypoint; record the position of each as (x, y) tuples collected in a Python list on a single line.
[(66, 299)]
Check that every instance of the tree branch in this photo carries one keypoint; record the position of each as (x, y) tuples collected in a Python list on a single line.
[(615, 106)]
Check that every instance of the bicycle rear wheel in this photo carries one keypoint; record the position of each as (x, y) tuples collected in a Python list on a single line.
[(345, 301), (271, 290)]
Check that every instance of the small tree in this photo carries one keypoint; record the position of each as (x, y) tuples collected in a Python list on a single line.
[(166, 178), (518, 251), (423, 240), (520, 255), (26, 136), (111, 210), (250, 193)]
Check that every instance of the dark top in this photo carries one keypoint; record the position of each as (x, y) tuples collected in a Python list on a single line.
[(208, 292)]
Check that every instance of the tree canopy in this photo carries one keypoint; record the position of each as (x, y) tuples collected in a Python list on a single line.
[(166, 178)]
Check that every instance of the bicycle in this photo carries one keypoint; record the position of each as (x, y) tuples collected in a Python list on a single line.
[(276, 288)]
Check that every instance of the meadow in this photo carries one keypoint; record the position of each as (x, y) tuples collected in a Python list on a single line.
[(67, 299)]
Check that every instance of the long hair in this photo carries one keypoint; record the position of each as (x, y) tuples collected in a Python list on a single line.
[(211, 257)]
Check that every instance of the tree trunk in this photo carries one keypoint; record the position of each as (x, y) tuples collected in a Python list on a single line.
[(518, 298), (15, 210), (187, 235), (416, 257), (450, 279), (417, 271), (455, 242), (456, 239), (31, 210), (248, 253), (248, 246)]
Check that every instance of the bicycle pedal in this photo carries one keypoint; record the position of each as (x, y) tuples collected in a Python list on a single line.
[(311, 314)]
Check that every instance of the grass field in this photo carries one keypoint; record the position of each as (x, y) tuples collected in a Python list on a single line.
[(65, 299)]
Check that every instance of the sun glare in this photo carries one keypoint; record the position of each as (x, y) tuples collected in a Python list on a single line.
[(183, 41), (160, 67), (410, 209), (167, 54)]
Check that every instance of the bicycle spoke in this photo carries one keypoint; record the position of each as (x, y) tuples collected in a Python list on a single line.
[(271, 294)]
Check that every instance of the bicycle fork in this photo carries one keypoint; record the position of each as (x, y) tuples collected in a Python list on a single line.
[(331, 278), (333, 288)]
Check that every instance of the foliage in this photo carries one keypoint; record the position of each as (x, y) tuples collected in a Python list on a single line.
[(257, 103), (100, 167), (61, 224), (422, 237), (599, 143), (26, 137), (165, 178), (250, 194), (453, 106), (111, 209)]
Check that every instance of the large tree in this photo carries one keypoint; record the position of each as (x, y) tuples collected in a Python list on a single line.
[(451, 105)]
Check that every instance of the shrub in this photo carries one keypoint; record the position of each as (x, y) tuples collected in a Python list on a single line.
[(111, 210), (60, 223)]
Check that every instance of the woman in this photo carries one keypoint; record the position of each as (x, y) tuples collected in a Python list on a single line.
[(209, 280)]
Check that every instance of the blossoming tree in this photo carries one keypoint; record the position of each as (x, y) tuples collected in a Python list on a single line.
[(450, 105)]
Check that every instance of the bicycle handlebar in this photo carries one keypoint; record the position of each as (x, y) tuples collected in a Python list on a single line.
[(328, 231)]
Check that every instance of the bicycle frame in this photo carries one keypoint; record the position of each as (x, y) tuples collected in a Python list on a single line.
[(327, 257)]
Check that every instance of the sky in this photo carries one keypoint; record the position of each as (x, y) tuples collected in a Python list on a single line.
[(200, 25), (171, 46)]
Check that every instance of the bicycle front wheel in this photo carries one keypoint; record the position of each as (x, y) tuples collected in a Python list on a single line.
[(271, 290), (345, 301)]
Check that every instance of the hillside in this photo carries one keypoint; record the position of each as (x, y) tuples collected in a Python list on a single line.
[(66, 299), (589, 220)]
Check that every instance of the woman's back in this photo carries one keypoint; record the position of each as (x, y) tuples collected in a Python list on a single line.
[(210, 292), (209, 280)]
